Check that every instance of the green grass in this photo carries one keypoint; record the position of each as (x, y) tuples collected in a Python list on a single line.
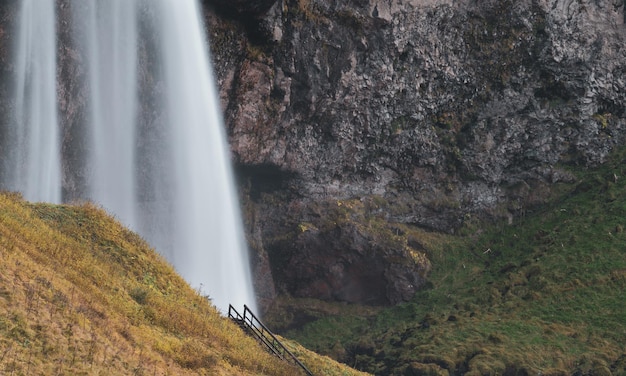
[(543, 295)]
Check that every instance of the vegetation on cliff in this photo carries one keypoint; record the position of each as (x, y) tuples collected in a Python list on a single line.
[(543, 295), (80, 294)]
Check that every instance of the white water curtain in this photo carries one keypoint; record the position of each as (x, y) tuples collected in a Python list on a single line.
[(33, 163)]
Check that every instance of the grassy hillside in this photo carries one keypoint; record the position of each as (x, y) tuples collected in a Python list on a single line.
[(545, 295), (81, 295)]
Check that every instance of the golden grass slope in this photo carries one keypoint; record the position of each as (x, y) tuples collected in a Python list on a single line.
[(82, 295)]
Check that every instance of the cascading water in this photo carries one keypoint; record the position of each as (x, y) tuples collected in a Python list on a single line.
[(168, 175), (205, 209), (32, 162), (109, 41)]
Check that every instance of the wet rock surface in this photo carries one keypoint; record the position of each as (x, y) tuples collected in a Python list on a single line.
[(448, 109)]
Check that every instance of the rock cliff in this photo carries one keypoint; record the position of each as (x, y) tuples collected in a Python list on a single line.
[(352, 123), (448, 110)]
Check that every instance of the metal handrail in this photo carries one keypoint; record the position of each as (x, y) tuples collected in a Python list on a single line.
[(250, 322)]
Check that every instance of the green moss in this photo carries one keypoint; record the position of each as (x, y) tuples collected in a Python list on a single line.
[(602, 119), (305, 226), (544, 294)]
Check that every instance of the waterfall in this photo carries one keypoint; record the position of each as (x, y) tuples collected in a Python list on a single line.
[(156, 151), (205, 208), (109, 41), (31, 159)]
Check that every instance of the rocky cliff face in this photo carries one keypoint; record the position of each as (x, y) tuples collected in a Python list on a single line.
[(447, 110), (353, 123)]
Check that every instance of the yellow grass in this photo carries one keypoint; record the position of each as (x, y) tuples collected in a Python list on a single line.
[(82, 295)]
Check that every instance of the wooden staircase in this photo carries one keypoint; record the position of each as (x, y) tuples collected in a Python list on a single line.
[(254, 327)]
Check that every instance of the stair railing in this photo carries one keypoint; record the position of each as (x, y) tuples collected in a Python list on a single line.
[(254, 326)]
